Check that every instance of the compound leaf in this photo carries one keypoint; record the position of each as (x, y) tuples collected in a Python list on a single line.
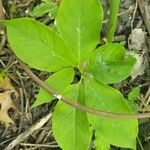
[(58, 81), (79, 22), (38, 45), (108, 63), (118, 132), (69, 125)]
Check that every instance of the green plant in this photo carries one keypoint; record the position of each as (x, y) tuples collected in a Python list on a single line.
[(47, 6), (3, 74), (71, 52), (113, 15)]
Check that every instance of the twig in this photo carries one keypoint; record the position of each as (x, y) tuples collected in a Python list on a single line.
[(134, 13), (119, 38), (39, 145), (77, 105), (22, 110), (42, 134), (4, 142), (28, 132), (141, 146), (24, 5), (145, 11), (3, 41)]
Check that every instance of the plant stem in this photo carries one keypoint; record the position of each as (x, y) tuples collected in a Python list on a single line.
[(77, 105), (141, 146), (113, 15)]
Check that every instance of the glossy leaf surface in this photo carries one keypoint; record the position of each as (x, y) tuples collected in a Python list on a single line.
[(70, 126), (79, 22), (119, 132), (38, 45), (109, 64), (58, 81)]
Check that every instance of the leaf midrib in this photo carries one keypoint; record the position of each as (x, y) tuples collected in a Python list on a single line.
[(45, 44), (79, 30)]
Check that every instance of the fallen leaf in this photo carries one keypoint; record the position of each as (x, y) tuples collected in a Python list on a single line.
[(140, 66), (137, 46), (6, 102)]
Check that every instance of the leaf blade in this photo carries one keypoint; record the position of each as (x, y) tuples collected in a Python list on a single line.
[(118, 132), (85, 29), (72, 123), (101, 143), (43, 8), (108, 63), (38, 45), (58, 81)]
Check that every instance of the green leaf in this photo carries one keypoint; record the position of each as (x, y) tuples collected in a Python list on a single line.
[(3, 74), (43, 8), (38, 45), (109, 64), (79, 22), (133, 95), (58, 81), (118, 132), (70, 126), (112, 21), (101, 143)]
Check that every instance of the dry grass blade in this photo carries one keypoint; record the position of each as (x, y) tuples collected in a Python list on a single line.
[(145, 11), (28, 132)]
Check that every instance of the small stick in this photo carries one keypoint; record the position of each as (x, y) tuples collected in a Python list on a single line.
[(28, 132), (79, 106), (39, 145), (134, 13)]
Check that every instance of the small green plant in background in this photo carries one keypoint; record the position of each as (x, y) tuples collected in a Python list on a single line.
[(47, 6), (71, 50), (3, 74)]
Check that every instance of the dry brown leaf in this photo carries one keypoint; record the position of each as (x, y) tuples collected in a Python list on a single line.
[(6, 101)]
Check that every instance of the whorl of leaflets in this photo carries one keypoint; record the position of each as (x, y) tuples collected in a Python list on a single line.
[(72, 45)]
